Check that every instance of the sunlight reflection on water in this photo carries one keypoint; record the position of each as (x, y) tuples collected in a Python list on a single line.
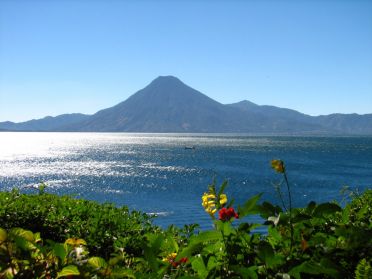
[(155, 173)]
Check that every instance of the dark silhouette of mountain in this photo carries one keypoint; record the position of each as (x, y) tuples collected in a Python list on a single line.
[(169, 105), (47, 123)]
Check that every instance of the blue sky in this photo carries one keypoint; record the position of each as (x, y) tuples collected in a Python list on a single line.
[(81, 56)]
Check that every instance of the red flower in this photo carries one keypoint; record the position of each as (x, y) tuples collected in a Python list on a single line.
[(225, 214), (177, 263)]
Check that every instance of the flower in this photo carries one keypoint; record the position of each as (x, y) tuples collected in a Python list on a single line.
[(225, 214), (79, 252), (278, 166), (209, 203), (171, 258), (223, 199)]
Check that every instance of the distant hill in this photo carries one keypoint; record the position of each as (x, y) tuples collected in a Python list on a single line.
[(169, 105), (47, 123)]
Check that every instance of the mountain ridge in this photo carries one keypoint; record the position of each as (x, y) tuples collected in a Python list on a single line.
[(169, 105)]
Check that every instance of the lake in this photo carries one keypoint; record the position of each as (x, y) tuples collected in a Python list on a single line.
[(154, 173)]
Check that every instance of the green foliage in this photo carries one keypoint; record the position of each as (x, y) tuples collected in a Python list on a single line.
[(363, 270), (102, 241), (104, 226)]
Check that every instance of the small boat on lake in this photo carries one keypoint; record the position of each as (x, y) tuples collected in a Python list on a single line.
[(190, 147)]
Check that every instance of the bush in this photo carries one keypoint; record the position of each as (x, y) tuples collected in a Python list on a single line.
[(105, 227)]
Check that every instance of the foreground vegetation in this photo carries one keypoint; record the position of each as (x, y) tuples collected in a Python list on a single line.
[(47, 236)]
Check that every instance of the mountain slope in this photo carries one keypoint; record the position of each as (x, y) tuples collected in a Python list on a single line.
[(347, 123), (47, 123), (168, 105), (280, 120)]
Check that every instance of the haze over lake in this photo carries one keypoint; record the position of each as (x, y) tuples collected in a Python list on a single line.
[(154, 173)]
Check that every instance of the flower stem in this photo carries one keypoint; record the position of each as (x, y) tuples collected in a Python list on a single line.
[(290, 211)]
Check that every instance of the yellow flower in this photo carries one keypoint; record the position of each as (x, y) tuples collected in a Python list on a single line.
[(223, 199), (211, 210), (170, 257), (209, 203), (278, 166)]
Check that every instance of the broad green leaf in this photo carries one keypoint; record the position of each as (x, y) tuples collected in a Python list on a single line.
[(346, 214), (97, 262), (60, 251), (266, 210), (310, 267), (122, 273), (265, 253), (152, 249), (70, 270), (24, 244), (246, 272), (197, 240), (326, 208), (225, 227), (212, 263), (3, 235), (200, 268), (37, 237), (169, 244), (250, 206), (19, 232), (274, 237), (155, 241), (310, 207)]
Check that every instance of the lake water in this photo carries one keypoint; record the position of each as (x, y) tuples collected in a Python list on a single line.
[(154, 173)]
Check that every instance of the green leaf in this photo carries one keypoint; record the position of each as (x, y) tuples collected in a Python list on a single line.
[(212, 263), (155, 241), (97, 262), (363, 270), (250, 206), (266, 210), (222, 188), (225, 227), (122, 273), (3, 235), (24, 244), (169, 244), (310, 207), (70, 270), (60, 251), (267, 255), (274, 237), (37, 237), (310, 267), (197, 240), (200, 268), (19, 232), (326, 209), (246, 272)]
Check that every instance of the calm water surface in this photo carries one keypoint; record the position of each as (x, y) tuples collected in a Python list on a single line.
[(156, 174)]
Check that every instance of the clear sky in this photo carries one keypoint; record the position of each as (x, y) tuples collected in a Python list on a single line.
[(82, 56)]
